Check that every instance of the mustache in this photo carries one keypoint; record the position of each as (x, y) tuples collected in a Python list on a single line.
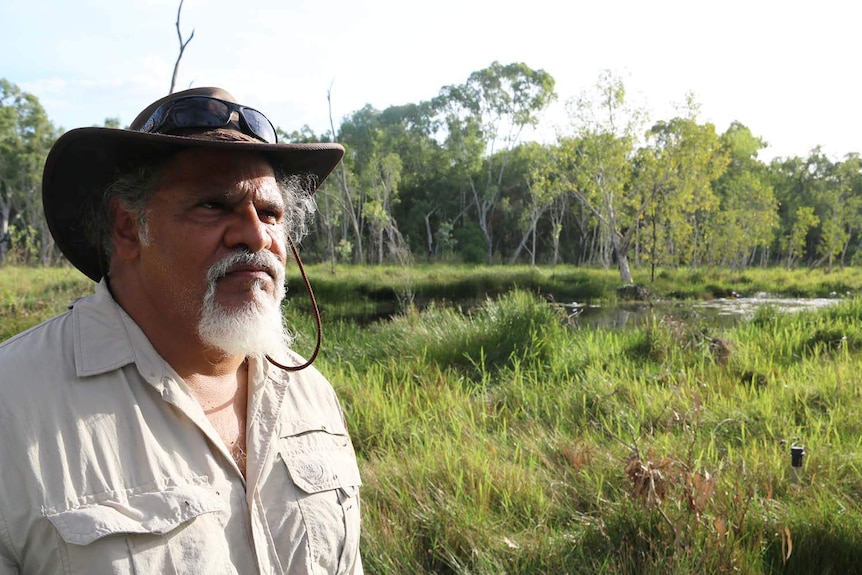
[(263, 261)]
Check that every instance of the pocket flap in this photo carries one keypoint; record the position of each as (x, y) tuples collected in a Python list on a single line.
[(154, 512), (320, 471)]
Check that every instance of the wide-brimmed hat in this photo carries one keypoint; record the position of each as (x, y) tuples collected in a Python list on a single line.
[(85, 161)]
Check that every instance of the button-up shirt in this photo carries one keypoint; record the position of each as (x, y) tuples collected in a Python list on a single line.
[(109, 465)]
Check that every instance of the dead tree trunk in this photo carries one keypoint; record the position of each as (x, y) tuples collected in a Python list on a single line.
[(182, 48)]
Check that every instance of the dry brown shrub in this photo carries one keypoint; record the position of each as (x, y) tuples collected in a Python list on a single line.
[(649, 479)]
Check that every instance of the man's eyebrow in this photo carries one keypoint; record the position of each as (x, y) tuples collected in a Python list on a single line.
[(275, 203), (210, 192)]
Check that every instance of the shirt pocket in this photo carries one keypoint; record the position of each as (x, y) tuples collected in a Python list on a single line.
[(176, 530), (322, 465)]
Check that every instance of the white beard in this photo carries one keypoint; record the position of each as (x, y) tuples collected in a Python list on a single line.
[(254, 329)]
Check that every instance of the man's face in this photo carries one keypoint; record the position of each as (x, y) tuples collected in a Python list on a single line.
[(216, 235)]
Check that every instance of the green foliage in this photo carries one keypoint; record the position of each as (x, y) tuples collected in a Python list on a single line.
[(471, 243), (454, 179), (597, 166), (26, 135), (795, 242)]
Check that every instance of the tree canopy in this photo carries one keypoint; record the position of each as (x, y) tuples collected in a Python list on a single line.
[(452, 179)]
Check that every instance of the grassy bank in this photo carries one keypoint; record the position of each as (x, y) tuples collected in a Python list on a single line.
[(508, 441)]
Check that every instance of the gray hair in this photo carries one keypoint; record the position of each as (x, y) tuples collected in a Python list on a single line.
[(134, 190), (297, 191)]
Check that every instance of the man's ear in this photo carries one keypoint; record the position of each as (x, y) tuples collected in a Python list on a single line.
[(125, 231)]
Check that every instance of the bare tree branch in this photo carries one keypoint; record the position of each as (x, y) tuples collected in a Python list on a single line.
[(182, 48)]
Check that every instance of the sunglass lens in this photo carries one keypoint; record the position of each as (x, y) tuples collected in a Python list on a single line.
[(200, 113), (258, 124)]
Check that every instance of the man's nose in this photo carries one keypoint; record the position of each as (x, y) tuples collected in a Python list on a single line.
[(247, 230)]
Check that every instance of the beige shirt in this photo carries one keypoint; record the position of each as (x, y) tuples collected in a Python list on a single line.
[(108, 464)]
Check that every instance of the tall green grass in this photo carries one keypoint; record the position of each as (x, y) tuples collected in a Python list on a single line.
[(504, 441), (498, 438)]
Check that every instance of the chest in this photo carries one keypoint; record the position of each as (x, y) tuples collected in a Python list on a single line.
[(230, 426), (225, 405)]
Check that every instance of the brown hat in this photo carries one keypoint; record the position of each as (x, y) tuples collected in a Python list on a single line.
[(84, 162)]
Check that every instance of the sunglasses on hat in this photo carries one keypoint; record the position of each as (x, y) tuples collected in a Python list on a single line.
[(208, 112)]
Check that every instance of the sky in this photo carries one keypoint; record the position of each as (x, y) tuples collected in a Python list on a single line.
[(788, 70)]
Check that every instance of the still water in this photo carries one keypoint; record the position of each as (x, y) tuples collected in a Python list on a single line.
[(722, 312)]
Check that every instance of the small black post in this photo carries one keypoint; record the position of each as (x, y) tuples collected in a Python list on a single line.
[(797, 452)]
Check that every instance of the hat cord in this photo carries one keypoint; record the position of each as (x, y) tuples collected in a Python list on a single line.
[(316, 315)]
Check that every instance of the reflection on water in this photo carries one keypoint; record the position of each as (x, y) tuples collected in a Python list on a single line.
[(723, 312)]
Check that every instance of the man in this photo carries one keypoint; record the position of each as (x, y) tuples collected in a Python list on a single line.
[(162, 425)]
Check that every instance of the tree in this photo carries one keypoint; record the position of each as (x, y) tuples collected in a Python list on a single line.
[(688, 158), (652, 181), (26, 136), (183, 45), (423, 200), (543, 189), (598, 168), (487, 115), (748, 217), (384, 176), (792, 181), (849, 179), (829, 189), (794, 242), (839, 210), (330, 211)]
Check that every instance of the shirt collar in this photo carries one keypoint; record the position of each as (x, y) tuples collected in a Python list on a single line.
[(107, 338)]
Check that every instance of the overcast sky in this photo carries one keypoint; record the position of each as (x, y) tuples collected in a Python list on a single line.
[(788, 70)]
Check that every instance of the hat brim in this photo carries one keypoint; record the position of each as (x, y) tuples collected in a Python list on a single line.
[(85, 161)]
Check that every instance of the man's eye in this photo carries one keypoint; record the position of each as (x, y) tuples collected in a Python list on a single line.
[(212, 205), (270, 216)]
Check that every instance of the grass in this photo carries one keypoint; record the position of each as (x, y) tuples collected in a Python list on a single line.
[(31, 295), (497, 438)]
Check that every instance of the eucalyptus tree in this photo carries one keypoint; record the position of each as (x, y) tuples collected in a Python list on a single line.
[(359, 132), (483, 119), (828, 189), (839, 206), (748, 216), (652, 182), (829, 203), (383, 177), (391, 155), (424, 201), (546, 192), (793, 243), (26, 136), (691, 158), (596, 162), (183, 45), (849, 180), (792, 181)]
